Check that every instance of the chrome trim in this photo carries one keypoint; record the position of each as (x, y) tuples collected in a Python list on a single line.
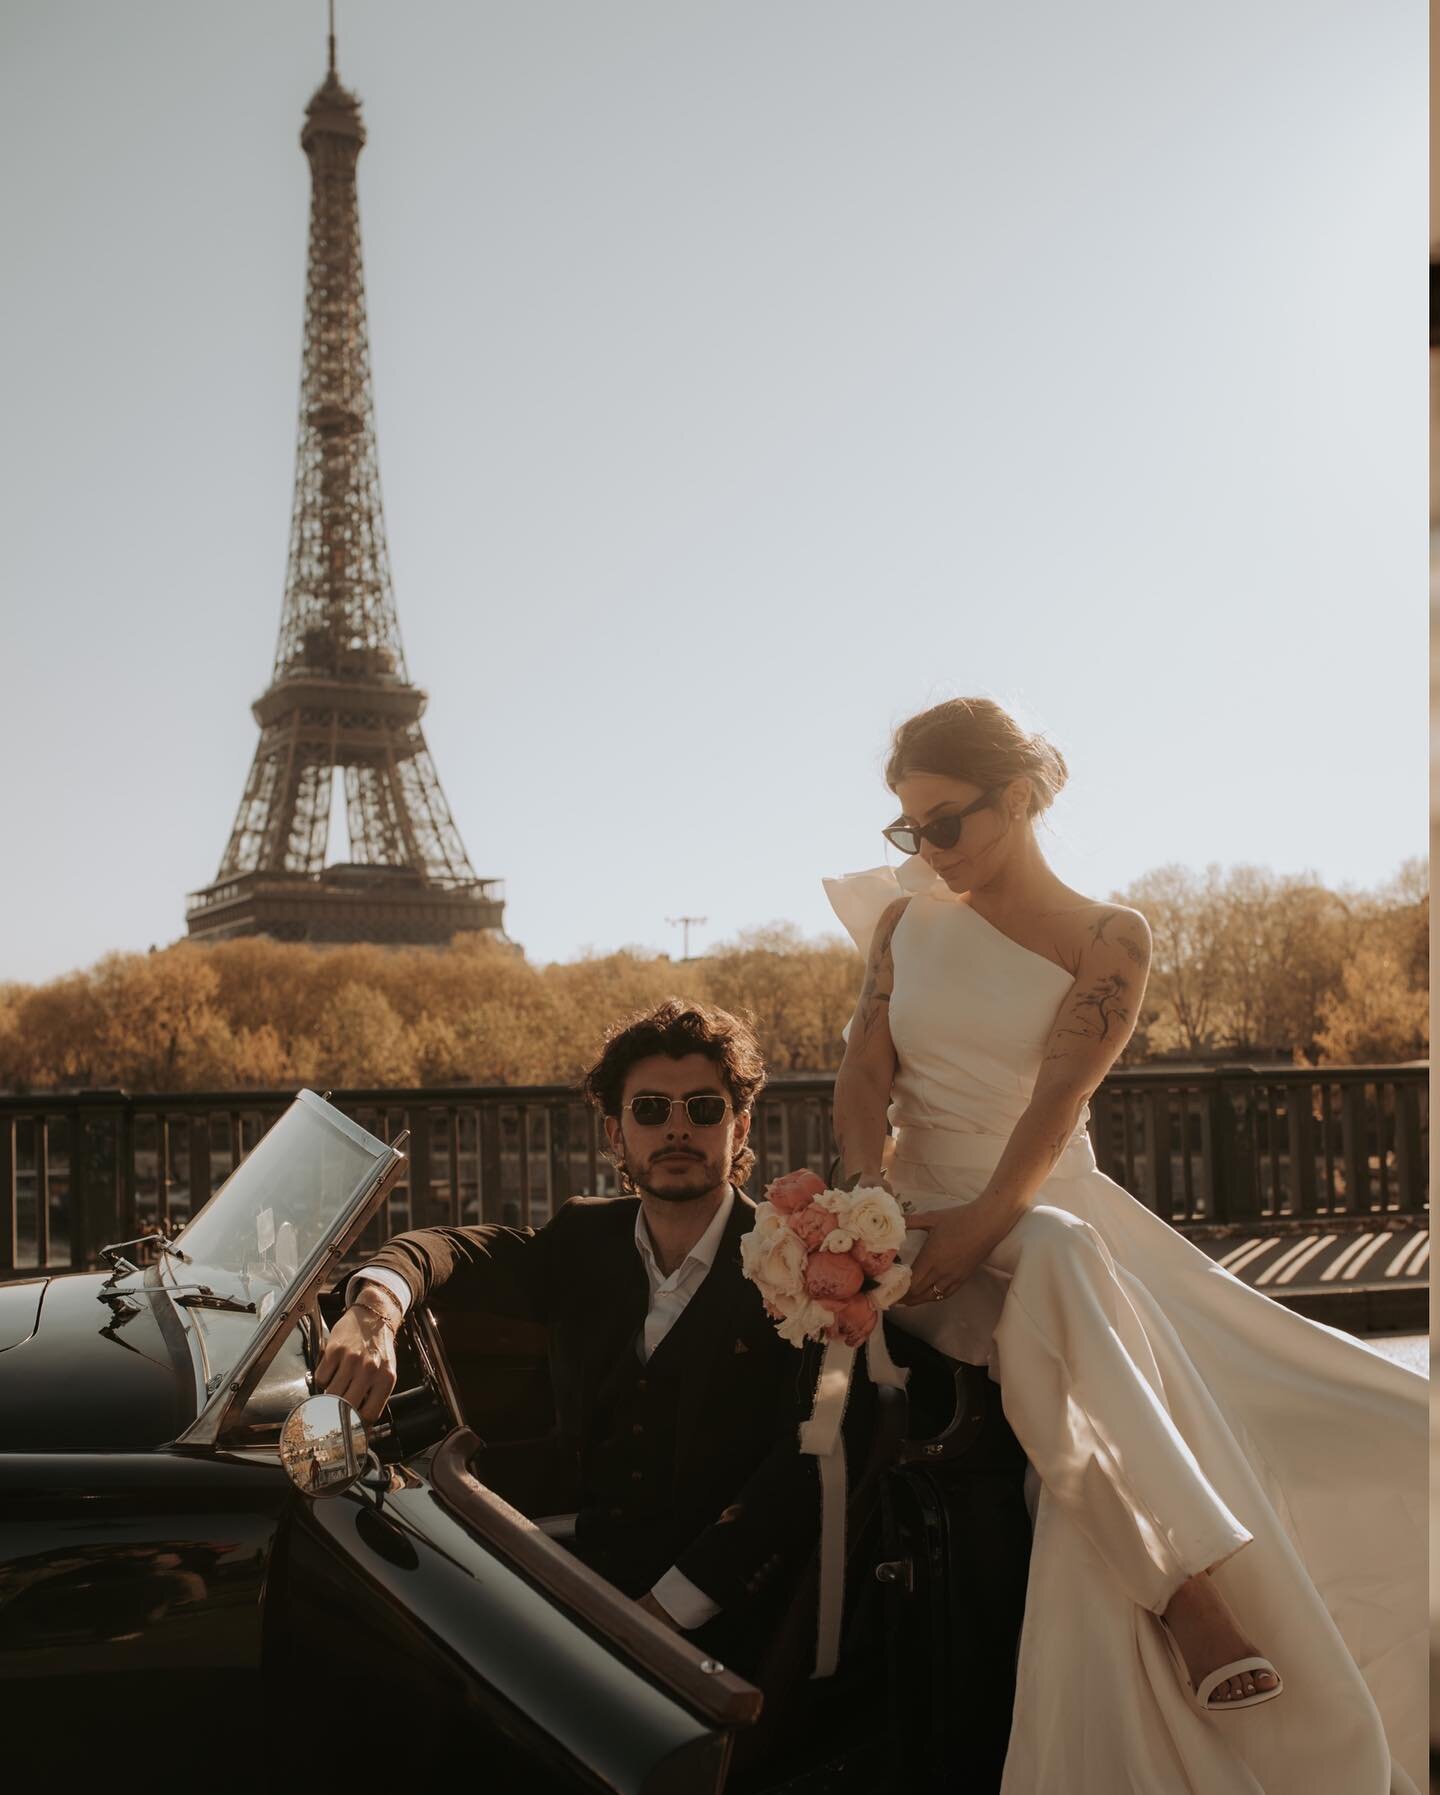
[(155, 1287)]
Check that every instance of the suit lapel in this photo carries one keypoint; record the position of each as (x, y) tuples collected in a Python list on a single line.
[(619, 1295), (713, 1315)]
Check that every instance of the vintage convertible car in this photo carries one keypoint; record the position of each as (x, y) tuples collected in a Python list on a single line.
[(199, 1552)]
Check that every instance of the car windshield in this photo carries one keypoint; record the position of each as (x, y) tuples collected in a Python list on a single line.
[(269, 1225)]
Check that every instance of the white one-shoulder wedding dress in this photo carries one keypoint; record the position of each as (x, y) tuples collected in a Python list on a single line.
[(1176, 1420)]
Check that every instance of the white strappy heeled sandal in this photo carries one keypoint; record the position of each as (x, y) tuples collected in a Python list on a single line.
[(1208, 1685)]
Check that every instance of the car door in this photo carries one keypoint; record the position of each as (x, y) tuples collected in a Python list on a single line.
[(460, 1623)]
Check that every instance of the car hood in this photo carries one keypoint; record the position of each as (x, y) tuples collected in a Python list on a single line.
[(20, 1311), (83, 1375)]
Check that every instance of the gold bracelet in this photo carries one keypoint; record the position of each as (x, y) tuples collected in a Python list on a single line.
[(383, 1309)]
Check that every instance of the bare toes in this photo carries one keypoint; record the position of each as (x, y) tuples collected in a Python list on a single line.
[(1237, 1688)]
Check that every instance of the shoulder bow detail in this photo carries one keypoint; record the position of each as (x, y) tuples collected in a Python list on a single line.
[(861, 899)]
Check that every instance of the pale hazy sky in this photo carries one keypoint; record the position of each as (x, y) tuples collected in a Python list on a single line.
[(748, 375)]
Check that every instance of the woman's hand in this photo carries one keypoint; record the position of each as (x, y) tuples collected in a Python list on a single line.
[(959, 1243)]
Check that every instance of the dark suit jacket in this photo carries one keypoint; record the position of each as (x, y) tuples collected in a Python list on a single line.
[(744, 1495)]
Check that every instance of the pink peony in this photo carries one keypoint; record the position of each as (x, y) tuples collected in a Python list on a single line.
[(812, 1224), (855, 1321), (874, 1264), (794, 1191), (832, 1278)]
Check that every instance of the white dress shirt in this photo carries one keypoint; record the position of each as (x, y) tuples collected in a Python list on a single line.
[(668, 1296), (686, 1605)]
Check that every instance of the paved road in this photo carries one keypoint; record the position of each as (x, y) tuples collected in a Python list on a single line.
[(1366, 1280), (1334, 1259), (1406, 1349)]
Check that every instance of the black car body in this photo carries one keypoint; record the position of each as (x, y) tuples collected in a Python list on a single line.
[(156, 1558)]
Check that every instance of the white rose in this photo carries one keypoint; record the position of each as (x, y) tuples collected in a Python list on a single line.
[(768, 1224), (836, 1201), (838, 1240), (804, 1321), (750, 1248), (875, 1221), (777, 1264), (890, 1286)]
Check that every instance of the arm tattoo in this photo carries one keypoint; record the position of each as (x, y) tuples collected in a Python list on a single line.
[(887, 935), (869, 1011), (1131, 946), (871, 995), (1100, 1007)]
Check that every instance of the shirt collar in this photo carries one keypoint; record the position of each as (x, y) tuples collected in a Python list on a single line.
[(702, 1253)]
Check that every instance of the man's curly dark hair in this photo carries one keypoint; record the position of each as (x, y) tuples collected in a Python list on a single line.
[(675, 1028)]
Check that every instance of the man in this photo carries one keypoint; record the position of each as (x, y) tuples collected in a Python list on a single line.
[(672, 1388)]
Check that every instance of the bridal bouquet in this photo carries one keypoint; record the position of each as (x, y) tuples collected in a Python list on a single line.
[(825, 1260)]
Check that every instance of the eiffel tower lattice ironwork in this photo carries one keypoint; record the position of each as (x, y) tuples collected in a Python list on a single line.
[(340, 702)]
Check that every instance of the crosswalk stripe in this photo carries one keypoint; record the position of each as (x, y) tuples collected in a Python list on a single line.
[(1278, 1265), (1242, 1261), (1296, 1265), (1344, 1256), (1362, 1259), (1399, 1266)]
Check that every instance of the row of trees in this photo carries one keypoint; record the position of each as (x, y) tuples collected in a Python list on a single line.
[(266, 1014), (1248, 962), (1244, 963)]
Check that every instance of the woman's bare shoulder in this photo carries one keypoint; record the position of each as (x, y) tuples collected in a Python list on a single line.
[(1083, 924), (886, 927)]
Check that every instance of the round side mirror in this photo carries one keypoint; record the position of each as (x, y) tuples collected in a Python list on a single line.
[(323, 1446)]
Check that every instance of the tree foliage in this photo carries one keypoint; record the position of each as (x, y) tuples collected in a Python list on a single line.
[(1250, 963), (1245, 962)]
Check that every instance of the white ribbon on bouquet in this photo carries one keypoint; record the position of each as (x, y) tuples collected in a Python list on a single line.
[(821, 1438)]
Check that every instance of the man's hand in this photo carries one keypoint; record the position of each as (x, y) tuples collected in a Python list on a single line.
[(651, 1606), (358, 1363)]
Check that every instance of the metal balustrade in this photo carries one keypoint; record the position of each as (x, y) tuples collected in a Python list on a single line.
[(1200, 1146)]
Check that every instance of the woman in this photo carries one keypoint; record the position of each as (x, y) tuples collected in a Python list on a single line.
[(1231, 1497)]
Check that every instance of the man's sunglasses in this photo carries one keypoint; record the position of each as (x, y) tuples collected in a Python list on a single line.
[(943, 833), (654, 1112)]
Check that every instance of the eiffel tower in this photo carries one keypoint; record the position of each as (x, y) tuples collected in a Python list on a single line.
[(340, 700)]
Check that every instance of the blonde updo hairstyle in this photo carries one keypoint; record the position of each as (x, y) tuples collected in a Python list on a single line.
[(974, 740)]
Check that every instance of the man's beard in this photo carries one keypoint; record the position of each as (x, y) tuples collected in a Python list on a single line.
[(703, 1176)]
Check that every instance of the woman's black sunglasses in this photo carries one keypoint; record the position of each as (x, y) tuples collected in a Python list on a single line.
[(654, 1112), (943, 833)]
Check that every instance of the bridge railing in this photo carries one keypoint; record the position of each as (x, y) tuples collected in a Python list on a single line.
[(1241, 1144)]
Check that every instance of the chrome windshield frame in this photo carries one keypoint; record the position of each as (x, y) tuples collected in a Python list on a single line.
[(205, 1431)]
